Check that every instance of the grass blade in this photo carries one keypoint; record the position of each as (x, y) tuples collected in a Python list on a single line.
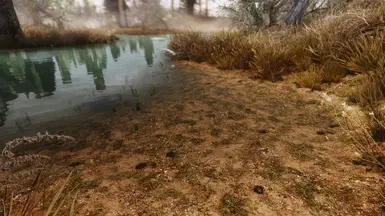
[(57, 195), (5, 210), (10, 205), (72, 210), (60, 205)]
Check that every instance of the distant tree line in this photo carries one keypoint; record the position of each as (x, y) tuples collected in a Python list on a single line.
[(244, 13)]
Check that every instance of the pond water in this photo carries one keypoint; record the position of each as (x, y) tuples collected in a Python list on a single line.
[(48, 84)]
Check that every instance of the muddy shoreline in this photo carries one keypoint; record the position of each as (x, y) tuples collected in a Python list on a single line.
[(204, 144)]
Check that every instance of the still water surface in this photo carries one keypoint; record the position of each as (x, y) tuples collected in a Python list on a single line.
[(44, 85)]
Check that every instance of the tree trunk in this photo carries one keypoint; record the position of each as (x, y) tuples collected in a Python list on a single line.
[(122, 17), (207, 8), (172, 5), (200, 7), (9, 23), (36, 18), (190, 7), (296, 12)]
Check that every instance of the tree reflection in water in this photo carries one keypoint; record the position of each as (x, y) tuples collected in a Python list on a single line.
[(22, 74)]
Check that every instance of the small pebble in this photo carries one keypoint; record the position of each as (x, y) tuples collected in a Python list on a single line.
[(334, 125), (352, 100), (171, 154), (263, 131), (357, 162), (259, 189), (76, 163), (321, 132), (141, 166)]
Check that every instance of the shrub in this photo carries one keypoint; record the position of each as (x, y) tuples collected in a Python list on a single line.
[(231, 50), (270, 61), (191, 45), (310, 78), (363, 54)]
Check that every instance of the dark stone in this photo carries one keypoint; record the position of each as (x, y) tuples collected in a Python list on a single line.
[(357, 162), (321, 132), (333, 125), (76, 163), (262, 131), (259, 189), (171, 154), (352, 100), (141, 166)]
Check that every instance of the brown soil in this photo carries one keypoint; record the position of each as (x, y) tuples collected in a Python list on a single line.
[(203, 146)]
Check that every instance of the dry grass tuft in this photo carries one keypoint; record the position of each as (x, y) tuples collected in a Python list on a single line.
[(310, 78), (342, 41), (231, 50), (191, 45), (271, 59), (36, 37), (363, 54)]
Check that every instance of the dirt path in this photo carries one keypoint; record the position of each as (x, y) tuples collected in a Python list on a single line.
[(202, 147)]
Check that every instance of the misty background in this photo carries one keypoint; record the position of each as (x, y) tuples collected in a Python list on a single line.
[(114, 14)]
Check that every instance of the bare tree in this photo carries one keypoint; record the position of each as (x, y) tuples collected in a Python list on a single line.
[(297, 11), (258, 13), (254, 13), (149, 12), (9, 22), (122, 14), (118, 9), (55, 10), (188, 5), (207, 8)]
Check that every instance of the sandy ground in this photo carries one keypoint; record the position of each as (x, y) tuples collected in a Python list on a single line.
[(214, 143)]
